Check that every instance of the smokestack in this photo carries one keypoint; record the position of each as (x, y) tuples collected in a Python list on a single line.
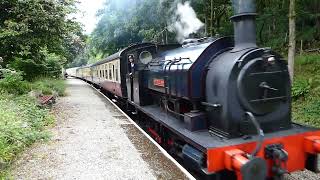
[(244, 23)]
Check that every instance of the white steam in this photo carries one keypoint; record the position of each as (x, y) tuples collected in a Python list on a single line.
[(185, 22)]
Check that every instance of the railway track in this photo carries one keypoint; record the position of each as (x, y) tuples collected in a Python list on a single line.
[(301, 175)]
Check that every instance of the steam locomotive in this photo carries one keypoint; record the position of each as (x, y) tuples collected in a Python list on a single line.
[(222, 104)]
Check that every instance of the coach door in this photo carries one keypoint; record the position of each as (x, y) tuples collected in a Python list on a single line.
[(130, 77)]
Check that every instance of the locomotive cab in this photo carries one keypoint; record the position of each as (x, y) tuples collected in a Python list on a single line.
[(141, 55)]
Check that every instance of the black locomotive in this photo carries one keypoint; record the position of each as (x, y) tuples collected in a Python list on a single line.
[(221, 104)]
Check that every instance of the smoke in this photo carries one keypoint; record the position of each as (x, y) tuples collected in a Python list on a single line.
[(184, 21)]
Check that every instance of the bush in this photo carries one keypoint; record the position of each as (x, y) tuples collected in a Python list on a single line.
[(29, 67), (307, 85), (13, 83), (48, 86), (21, 123), (50, 66), (300, 88)]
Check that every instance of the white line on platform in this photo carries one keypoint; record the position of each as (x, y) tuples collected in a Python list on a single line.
[(152, 140)]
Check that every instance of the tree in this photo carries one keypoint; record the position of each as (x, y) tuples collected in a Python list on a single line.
[(147, 20), (31, 30), (292, 38), (124, 22)]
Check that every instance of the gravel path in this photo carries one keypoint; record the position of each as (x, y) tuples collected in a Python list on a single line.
[(90, 141)]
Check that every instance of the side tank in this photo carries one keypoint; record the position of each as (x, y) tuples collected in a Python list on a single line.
[(180, 72)]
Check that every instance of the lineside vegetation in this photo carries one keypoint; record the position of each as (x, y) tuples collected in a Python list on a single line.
[(306, 90), (22, 120)]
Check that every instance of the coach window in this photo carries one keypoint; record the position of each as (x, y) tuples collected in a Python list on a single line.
[(106, 71), (102, 67), (113, 72), (110, 71), (119, 70), (100, 73), (117, 78)]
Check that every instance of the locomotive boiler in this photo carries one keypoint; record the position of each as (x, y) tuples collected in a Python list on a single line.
[(221, 104)]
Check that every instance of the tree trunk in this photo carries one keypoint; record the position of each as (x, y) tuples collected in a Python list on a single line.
[(292, 38), (211, 18), (166, 36), (301, 47), (206, 26)]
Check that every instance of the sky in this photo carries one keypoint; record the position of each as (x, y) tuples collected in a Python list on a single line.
[(87, 14)]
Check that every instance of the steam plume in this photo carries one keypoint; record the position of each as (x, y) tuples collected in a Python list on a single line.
[(185, 21)]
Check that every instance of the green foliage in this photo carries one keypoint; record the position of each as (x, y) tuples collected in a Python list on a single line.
[(13, 83), (22, 123), (123, 22), (307, 67), (307, 111), (53, 65), (30, 68), (50, 67), (306, 90), (48, 86), (300, 88), (310, 59), (312, 110), (32, 31)]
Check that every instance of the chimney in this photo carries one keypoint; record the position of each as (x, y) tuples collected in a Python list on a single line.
[(244, 24)]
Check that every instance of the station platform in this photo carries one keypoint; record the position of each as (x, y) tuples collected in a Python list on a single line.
[(93, 139)]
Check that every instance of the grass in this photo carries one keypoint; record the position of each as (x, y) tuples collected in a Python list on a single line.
[(22, 120), (306, 90), (22, 123), (48, 86)]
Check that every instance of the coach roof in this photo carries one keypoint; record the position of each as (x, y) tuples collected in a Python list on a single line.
[(118, 54)]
